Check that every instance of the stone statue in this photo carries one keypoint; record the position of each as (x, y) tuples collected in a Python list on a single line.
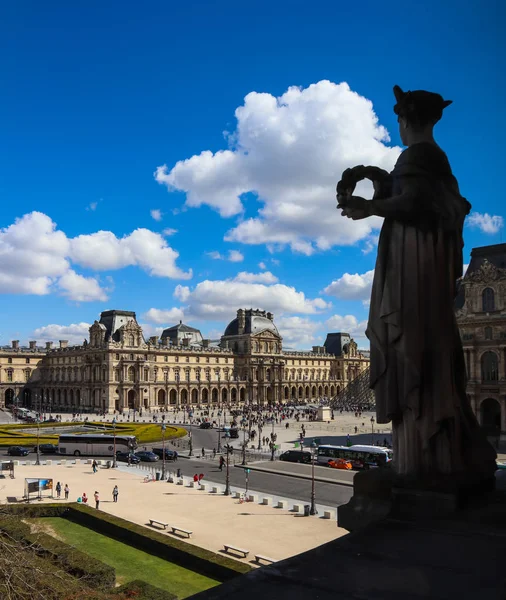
[(418, 371)]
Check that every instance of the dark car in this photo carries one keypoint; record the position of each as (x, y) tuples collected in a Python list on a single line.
[(234, 433), (17, 451), (205, 425), (147, 456), (297, 456), (47, 448), (169, 454), (51, 420), (123, 457)]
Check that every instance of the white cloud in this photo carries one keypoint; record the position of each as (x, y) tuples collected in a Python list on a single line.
[(275, 261), (485, 223), (347, 324), (464, 268), (265, 277), (103, 251), (156, 214), (79, 288), (233, 255), (262, 265), (298, 332), (163, 316), (36, 258), (289, 151), (92, 206), (75, 333), (219, 300), (351, 287), (168, 231)]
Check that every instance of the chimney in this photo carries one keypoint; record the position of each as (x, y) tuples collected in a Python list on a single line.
[(241, 321), (64, 343), (153, 340), (205, 343), (186, 342), (15, 344), (33, 345), (270, 316), (49, 345)]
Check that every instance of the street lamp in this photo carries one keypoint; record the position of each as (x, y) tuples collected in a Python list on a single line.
[(37, 462), (163, 450), (114, 463), (259, 435), (243, 423), (372, 431), (219, 431), (190, 441), (229, 450), (312, 510)]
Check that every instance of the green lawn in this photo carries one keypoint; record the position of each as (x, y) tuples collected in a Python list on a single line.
[(129, 563)]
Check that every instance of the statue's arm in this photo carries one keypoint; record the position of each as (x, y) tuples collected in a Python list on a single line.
[(412, 201)]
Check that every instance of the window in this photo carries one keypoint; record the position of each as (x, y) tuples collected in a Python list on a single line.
[(9, 375), (146, 374), (488, 333), (27, 360), (488, 300), (176, 358), (27, 374), (9, 360), (131, 340), (131, 356), (187, 375), (155, 374), (131, 374), (165, 358), (197, 359), (117, 356), (489, 367)]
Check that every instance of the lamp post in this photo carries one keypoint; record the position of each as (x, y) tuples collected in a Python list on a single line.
[(163, 450), (219, 431), (259, 434), (243, 423), (312, 510), (190, 441), (229, 450), (37, 462), (372, 431), (114, 463)]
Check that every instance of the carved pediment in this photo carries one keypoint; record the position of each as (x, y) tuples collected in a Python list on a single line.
[(487, 273), (266, 334)]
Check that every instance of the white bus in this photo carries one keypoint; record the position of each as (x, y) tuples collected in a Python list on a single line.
[(96, 444), (361, 457)]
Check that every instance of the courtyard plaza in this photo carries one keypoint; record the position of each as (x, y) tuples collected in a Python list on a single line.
[(214, 519)]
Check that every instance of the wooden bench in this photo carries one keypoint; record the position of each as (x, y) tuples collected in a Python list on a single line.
[(161, 523), (228, 547), (260, 557), (185, 531)]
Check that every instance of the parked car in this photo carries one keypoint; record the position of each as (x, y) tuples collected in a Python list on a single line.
[(340, 463), (169, 454), (123, 457), (297, 456), (205, 425), (17, 451), (146, 456), (51, 420), (47, 448)]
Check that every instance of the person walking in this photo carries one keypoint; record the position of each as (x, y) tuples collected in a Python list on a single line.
[(115, 493), (222, 463), (195, 480), (58, 489), (97, 500), (67, 491), (94, 466)]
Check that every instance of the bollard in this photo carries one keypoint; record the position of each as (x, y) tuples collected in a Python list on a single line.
[(282, 504), (329, 514)]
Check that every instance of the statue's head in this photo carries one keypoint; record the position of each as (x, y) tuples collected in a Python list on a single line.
[(418, 110)]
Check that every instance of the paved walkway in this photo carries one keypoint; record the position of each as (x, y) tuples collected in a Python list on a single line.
[(215, 519)]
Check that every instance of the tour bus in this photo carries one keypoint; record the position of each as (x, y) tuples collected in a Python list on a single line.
[(95, 444), (361, 457)]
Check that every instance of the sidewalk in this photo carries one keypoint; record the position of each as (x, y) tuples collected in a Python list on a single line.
[(335, 476)]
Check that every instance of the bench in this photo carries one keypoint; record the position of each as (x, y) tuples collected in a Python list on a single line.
[(186, 531), (161, 523), (229, 547), (260, 557)]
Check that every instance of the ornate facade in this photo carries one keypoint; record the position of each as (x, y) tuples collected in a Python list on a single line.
[(119, 370), (481, 317)]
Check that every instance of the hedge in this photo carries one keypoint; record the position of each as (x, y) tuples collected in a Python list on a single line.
[(200, 560), (11, 435), (141, 590), (91, 571)]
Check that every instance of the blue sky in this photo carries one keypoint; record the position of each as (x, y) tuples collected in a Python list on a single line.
[(102, 104)]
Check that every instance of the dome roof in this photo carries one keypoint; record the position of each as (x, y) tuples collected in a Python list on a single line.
[(254, 322)]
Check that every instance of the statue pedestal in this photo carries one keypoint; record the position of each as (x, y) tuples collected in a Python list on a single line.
[(381, 493)]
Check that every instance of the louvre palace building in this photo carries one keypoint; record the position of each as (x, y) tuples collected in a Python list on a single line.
[(117, 369)]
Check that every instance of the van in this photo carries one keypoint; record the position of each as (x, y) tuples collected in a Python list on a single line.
[(298, 456)]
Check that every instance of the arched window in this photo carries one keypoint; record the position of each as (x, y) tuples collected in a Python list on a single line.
[(131, 340), (488, 300), (146, 374), (489, 367), (488, 333)]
